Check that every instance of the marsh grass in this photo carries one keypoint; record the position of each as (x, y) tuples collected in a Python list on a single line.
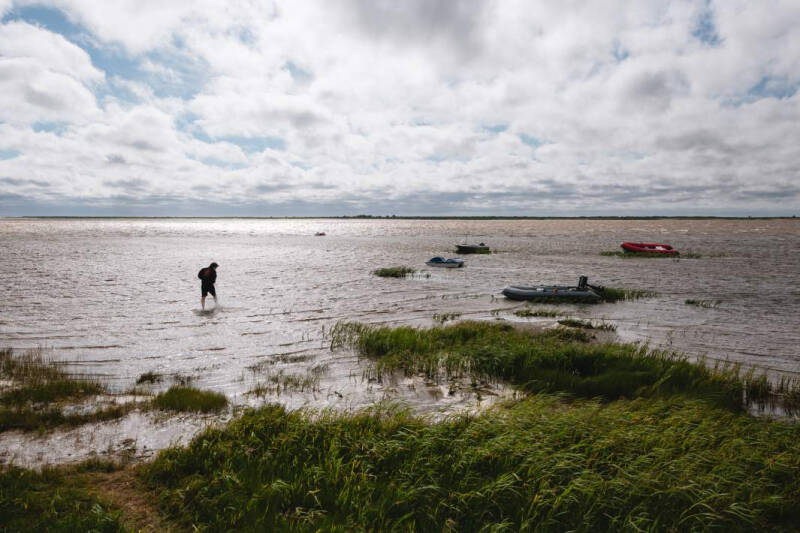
[(706, 304), (558, 361), (612, 294), (149, 377), (282, 383), (394, 272), (586, 324), (189, 399), (667, 464), (441, 318), (37, 379), (39, 390), (40, 419), (541, 313)]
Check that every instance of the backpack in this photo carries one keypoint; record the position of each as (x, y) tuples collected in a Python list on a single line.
[(203, 273)]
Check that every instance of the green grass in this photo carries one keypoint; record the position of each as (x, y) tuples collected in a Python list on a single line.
[(707, 304), (182, 398), (585, 324), (28, 419), (40, 387), (557, 361), (394, 272), (53, 499), (282, 383), (541, 313), (39, 380), (669, 464)]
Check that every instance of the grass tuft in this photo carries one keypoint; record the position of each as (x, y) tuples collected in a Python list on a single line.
[(394, 272), (282, 383), (441, 318), (585, 324), (707, 304), (541, 313), (182, 398), (149, 377), (612, 294)]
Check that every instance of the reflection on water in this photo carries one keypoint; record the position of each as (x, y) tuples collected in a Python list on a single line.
[(118, 298)]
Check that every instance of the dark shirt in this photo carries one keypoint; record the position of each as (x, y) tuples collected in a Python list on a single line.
[(208, 275)]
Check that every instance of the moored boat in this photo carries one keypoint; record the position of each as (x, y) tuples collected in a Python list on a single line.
[(441, 262), (551, 293), (479, 248), (649, 248), (582, 293)]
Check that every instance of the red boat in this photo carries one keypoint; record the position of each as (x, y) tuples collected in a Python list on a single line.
[(649, 248)]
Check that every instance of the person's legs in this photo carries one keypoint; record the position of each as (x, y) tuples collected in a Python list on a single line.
[(213, 293), (203, 293)]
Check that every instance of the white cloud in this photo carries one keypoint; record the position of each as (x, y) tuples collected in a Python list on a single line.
[(419, 103)]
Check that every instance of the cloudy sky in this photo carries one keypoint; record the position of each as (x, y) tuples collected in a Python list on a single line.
[(507, 107)]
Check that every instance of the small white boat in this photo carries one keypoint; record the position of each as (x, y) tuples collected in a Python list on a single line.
[(453, 262)]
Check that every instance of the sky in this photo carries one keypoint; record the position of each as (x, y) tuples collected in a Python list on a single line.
[(414, 107)]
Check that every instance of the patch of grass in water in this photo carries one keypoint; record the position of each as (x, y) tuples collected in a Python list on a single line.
[(34, 402), (613, 294), (441, 318), (585, 324), (541, 313), (30, 419), (707, 304), (182, 399), (50, 391), (394, 272), (149, 377), (542, 464), (556, 361), (282, 383)]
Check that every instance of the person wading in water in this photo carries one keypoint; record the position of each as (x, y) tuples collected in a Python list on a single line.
[(208, 276)]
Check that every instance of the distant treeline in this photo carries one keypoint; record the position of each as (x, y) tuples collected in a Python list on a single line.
[(433, 217)]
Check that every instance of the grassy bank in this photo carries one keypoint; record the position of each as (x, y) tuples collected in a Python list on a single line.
[(610, 437), (558, 360), (666, 464)]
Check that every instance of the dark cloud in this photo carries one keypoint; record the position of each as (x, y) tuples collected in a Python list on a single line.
[(146, 146), (132, 184), (696, 140), (421, 22), (655, 90), (18, 181)]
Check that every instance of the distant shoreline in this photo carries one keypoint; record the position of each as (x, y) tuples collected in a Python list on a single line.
[(402, 217)]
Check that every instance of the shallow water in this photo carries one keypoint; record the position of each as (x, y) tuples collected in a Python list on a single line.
[(120, 297)]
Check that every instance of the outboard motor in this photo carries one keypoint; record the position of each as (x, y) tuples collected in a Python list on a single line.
[(583, 282)]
